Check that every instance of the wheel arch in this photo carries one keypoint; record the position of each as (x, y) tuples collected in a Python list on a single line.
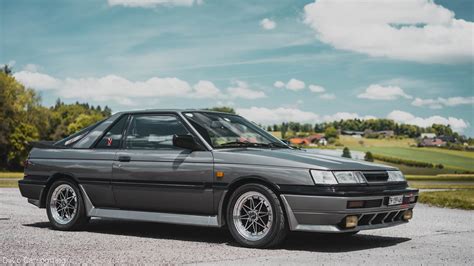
[(54, 177), (243, 181)]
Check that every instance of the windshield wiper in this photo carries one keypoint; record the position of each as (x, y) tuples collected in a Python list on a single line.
[(251, 144)]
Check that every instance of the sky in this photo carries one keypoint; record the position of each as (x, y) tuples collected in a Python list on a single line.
[(272, 61)]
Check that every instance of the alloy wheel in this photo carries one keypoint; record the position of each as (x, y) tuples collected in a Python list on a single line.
[(253, 215), (63, 204)]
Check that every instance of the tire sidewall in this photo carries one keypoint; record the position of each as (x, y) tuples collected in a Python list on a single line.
[(277, 217), (78, 218)]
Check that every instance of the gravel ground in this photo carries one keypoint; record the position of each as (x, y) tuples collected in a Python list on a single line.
[(435, 235)]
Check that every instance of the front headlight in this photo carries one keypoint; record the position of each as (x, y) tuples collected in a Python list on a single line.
[(347, 177), (323, 177), (338, 177), (395, 176)]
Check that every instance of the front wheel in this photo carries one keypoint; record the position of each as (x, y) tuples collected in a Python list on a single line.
[(65, 207), (255, 217)]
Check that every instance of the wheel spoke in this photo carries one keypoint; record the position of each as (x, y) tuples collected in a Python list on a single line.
[(262, 224), (259, 205), (250, 224)]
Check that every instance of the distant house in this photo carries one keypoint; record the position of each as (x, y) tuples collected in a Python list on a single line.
[(432, 142), (299, 141), (450, 139), (427, 136), (310, 140), (386, 133), (353, 133)]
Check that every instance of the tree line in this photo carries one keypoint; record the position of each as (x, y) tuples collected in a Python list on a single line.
[(24, 120), (411, 131)]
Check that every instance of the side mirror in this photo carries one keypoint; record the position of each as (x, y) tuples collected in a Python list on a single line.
[(186, 142)]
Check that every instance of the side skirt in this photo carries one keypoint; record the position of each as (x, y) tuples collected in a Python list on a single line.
[(173, 218)]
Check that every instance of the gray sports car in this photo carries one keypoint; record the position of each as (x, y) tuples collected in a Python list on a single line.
[(209, 169)]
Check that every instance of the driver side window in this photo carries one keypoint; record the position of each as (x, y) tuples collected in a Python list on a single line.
[(151, 132)]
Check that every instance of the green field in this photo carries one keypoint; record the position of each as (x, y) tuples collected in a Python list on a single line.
[(11, 175), (452, 160), (445, 178), (460, 199)]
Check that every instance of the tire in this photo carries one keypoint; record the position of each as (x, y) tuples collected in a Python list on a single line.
[(65, 206), (264, 225)]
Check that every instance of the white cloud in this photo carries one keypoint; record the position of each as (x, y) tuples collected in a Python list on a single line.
[(286, 114), (271, 116), (267, 24), (456, 124), (441, 102), (344, 116), (279, 84), (414, 30), (206, 89), (153, 3), (295, 85), (387, 93), (316, 88), (31, 68), (242, 90), (124, 91), (328, 96), (37, 80)]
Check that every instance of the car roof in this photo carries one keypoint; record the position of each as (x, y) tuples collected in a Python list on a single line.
[(171, 111)]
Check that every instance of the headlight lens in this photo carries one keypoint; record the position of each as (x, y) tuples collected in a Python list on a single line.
[(349, 177), (323, 177), (338, 177), (395, 176)]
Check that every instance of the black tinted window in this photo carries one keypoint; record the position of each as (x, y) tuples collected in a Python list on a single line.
[(113, 138), (153, 131)]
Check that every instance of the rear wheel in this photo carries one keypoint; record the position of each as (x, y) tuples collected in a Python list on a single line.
[(255, 217), (65, 207)]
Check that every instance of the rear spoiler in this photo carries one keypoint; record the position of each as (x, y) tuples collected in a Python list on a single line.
[(45, 145)]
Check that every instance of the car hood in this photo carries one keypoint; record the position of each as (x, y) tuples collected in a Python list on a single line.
[(292, 158)]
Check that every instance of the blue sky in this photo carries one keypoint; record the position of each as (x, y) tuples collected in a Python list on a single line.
[(412, 61)]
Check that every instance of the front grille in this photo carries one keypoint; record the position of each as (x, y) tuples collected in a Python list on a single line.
[(380, 218), (376, 177)]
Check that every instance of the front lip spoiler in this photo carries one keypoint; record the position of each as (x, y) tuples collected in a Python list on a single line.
[(325, 213), (347, 191)]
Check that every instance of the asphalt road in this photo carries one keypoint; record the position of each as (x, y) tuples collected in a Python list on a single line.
[(440, 236)]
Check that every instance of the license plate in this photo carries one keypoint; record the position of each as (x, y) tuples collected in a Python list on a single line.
[(395, 200)]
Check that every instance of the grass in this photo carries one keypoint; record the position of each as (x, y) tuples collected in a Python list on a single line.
[(460, 199), (450, 161), (440, 178), (404, 148), (11, 175), (425, 185), (8, 183)]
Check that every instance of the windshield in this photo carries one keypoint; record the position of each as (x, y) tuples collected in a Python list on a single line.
[(227, 131)]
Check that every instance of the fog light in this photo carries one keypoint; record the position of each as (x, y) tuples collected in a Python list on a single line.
[(407, 215), (351, 221)]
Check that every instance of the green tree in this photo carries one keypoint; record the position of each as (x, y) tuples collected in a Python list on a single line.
[(19, 120), (224, 109), (330, 132), (346, 153), (369, 157)]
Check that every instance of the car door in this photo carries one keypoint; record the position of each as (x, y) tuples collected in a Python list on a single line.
[(150, 174), (93, 167)]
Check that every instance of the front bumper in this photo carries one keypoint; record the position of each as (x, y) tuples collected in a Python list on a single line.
[(327, 213)]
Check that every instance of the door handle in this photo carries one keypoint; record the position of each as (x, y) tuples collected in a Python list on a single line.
[(124, 158)]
